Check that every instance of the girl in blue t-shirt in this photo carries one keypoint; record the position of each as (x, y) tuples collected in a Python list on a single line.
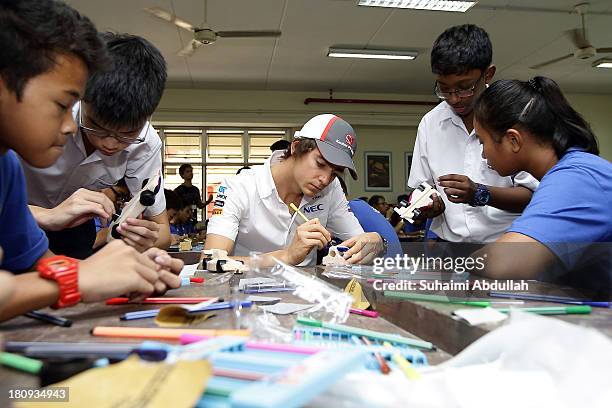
[(530, 126)]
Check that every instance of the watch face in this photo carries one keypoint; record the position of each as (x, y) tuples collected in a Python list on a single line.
[(482, 196)]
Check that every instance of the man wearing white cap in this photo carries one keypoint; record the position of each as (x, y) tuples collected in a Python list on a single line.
[(252, 210)]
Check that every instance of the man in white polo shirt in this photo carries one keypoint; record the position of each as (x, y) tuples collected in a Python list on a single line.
[(114, 141), (252, 210), (477, 205)]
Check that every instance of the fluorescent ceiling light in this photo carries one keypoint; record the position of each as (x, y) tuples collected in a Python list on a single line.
[(435, 5), (603, 63), (372, 54)]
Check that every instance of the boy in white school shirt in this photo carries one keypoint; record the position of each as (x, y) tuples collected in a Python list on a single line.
[(114, 140), (477, 205), (252, 211)]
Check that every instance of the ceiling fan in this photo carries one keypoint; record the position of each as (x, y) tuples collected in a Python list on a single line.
[(204, 35), (578, 36)]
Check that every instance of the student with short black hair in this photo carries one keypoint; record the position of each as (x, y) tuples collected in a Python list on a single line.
[(190, 194), (173, 204), (476, 204), (47, 51), (114, 140), (530, 126)]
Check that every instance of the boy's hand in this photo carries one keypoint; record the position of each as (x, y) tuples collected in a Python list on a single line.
[(115, 270), (307, 236), (139, 233), (432, 210), (363, 248), (80, 207), (169, 268), (458, 188)]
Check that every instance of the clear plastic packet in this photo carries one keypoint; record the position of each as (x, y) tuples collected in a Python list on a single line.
[(330, 303)]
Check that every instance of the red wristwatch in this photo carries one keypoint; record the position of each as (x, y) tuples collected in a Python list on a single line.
[(64, 271)]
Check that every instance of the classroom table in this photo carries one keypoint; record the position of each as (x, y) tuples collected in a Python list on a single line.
[(87, 316), (435, 323)]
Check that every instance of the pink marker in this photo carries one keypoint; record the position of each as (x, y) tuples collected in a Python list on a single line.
[(256, 345), (369, 313)]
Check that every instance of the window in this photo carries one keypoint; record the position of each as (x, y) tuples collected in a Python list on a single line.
[(215, 153)]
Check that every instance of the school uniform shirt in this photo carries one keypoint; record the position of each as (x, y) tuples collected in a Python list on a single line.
[(74, 169), (182, 229), (371, 220), (444, 146), (249, 211), (571, 208), (21, 239)]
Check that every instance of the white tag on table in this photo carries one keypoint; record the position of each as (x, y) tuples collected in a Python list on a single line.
[(476, 316), (286, 308)]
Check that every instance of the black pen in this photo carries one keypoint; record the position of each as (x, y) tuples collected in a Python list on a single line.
[(45, 317)]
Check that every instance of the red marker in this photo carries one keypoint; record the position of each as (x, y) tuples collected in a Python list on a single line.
[(161, 300)]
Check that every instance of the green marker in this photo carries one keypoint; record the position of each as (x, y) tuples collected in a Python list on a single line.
[(434, 298), (551, 310), (393, 338), (29, 365)]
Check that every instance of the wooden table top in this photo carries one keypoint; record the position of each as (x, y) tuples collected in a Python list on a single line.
[(87, 316)]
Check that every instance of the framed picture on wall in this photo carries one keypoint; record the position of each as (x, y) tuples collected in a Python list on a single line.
[(407, 164), (378, 171)]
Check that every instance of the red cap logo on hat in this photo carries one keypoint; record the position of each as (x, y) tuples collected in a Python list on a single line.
[(335, 139), (349, 139)]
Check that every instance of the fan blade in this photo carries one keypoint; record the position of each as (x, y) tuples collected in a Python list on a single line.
[(169, 17), (189, 49), (245, 34), (577, 38), (604, 50), (552, 61)]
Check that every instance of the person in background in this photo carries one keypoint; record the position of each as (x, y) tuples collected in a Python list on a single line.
[(243, 168), (173, 204), (280, 145), (180, 226), (379, 203), (371, 220), (190, 194)]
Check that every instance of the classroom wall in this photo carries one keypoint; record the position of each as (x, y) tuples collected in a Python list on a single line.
[(389, 128)]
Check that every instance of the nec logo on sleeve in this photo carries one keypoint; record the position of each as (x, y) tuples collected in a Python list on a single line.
[(313, 208)]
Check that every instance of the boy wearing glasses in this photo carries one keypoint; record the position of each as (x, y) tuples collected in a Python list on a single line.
[(478, 205), (114, 141)]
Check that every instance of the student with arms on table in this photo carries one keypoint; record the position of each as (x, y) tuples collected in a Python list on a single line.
[(252, 210), (476, 204), (114, 140), (530, 126), (48, 51)]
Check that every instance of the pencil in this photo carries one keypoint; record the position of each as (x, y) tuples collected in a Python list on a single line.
[(384, 367), (297, 210)]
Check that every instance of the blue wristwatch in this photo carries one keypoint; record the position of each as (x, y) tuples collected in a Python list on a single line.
[(482, 196)]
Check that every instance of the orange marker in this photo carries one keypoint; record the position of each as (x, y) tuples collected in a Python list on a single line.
[(162, 334)]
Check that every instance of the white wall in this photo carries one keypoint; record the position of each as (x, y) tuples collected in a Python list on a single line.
[(379, 127)]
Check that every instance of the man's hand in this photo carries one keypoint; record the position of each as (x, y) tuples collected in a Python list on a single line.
[(363, 248), (139, 233), (307, 236), (432, 210), (115, 270), (80, 207), (458, 188), (169, 268)]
